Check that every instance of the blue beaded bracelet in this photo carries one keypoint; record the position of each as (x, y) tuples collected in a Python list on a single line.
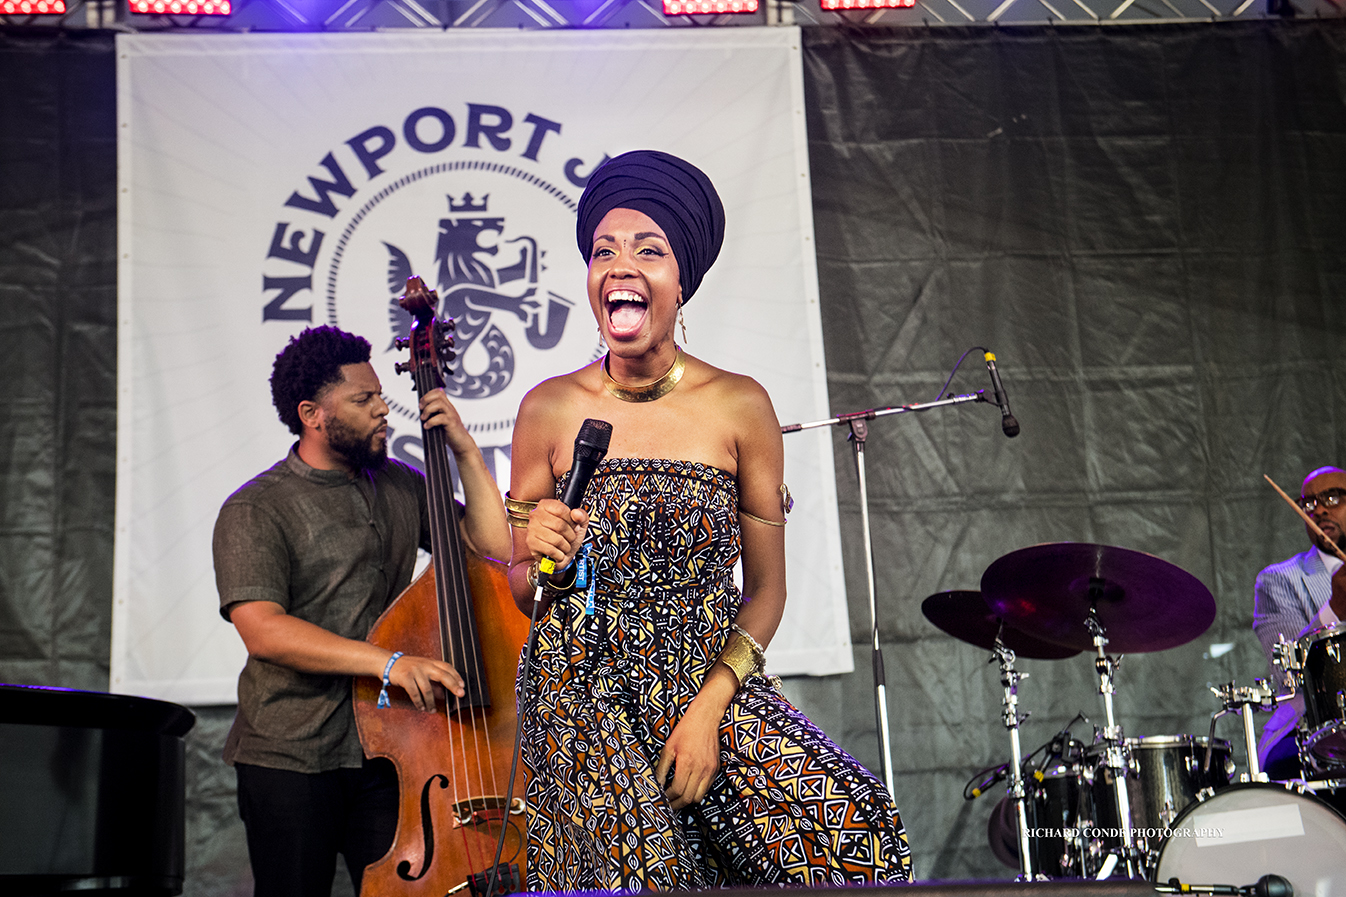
[(387, 668)]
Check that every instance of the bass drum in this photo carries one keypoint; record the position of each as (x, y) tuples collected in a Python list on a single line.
[(1245, 831)]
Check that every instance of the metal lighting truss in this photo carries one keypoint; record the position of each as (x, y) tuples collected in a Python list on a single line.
[(376, 15)]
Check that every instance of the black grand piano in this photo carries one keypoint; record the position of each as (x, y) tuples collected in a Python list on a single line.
[(91, 793)]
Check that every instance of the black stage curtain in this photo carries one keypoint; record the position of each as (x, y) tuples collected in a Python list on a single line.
[(58, 355), (58, 365), (1141, 221), (1145, 224)]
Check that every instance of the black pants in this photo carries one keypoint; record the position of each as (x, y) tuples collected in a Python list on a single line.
[(298, 822)]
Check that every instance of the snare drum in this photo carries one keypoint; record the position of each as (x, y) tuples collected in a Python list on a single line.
[(1164, 774), (1323, 658), (1245, 831)]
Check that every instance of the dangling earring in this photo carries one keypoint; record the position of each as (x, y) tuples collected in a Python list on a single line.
[(683, 325), (602, 342)]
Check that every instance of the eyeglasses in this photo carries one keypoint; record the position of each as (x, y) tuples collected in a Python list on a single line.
[(1328, 498)]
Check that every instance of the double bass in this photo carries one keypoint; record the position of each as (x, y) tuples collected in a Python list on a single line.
[(453, 765)]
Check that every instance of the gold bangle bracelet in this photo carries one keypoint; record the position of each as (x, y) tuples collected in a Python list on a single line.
[(570, 573), (553, 585)]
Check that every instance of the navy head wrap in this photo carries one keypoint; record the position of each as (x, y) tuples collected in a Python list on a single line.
[(675, 194)]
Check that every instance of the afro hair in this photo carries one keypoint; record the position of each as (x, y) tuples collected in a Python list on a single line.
[(310, 363)]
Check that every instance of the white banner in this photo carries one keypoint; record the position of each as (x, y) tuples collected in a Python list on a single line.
[(272, 182)]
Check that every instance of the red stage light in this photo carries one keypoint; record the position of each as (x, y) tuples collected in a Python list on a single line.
[(696, 7), (32, 7), (181, 7), (866, 4)]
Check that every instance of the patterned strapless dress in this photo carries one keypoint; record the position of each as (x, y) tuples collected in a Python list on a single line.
[(615, 674)]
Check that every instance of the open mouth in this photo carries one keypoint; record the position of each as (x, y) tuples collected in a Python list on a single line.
[(626, 312)]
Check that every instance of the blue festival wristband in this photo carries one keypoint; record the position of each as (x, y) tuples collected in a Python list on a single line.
[(582, 567), (387, 668)]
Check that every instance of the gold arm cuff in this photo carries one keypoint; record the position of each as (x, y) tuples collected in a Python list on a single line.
[(743, 655), (787, 504), (756, 646), (752, 516), (516, 511)]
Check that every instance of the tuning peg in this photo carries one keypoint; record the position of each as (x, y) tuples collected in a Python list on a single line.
[(402, 342), (402, 367)]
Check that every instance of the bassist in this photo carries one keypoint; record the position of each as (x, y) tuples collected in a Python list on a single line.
[(307, 555)]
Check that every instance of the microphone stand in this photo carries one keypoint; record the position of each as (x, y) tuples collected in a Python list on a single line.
[(859, 430)]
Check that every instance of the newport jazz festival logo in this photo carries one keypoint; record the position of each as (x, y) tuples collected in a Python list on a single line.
[(477, 201)]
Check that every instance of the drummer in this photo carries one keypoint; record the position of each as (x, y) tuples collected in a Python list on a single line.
[(1295, 597)]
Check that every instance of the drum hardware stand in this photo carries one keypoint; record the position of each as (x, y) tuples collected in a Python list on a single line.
[(1115, 758), (1313, 786), (1290, 658), (1244, 700), (1286, 657), (859, 430), (1010, 679)]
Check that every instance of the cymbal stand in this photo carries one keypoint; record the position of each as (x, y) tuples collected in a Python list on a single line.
[(1243, 701), (859, 430), (1114, 754), (1009, 680)]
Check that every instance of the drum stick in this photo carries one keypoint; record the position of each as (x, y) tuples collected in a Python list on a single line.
[(1307, 519)]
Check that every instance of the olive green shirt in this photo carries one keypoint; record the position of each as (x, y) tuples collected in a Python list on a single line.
[(331, 549)]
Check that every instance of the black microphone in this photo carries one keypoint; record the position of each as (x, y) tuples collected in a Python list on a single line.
[(1270, 886), (1007, 421), (1267, 886), (999, 774), (591, 446)]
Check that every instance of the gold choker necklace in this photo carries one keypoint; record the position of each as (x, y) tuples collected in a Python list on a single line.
[(651, 391)]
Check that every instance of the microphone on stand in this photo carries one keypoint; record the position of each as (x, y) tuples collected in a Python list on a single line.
[(989, 778), (591, 446), (1007, 420), (1269, 885)]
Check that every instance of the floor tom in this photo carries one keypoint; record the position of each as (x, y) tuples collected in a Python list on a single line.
[(1164, 774)]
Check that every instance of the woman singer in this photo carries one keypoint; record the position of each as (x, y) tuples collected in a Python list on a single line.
[(660, 756)]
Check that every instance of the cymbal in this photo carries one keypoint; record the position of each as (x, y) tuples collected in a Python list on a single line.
[(965, 616), (1144, 603)]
